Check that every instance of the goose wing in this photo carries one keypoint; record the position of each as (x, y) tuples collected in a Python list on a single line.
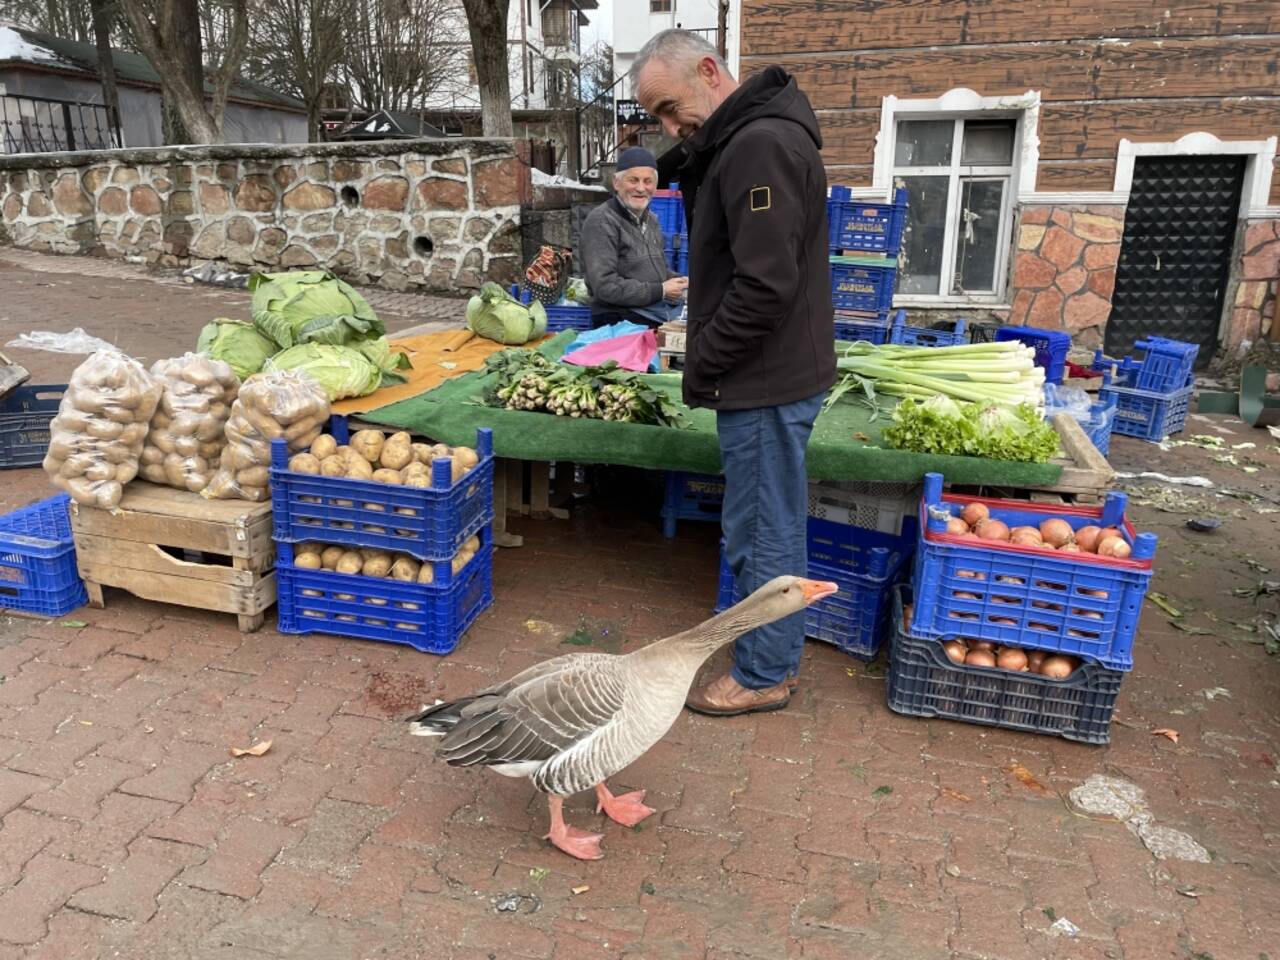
[(553, 707)]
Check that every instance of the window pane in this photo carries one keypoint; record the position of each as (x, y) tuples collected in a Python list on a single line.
[(979, 232), (926, 230), (988, 143), (924, 143)]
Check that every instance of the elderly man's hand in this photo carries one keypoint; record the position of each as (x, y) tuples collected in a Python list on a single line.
[(675, 289)]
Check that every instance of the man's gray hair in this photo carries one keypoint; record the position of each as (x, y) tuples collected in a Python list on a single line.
[(676, 48)]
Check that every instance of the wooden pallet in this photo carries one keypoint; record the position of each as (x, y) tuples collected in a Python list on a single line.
[(172, 546)]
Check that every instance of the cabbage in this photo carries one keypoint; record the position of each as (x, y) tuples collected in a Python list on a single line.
[(495, 314), (379, 353), (342, 371), (236, 343), (311, 306)]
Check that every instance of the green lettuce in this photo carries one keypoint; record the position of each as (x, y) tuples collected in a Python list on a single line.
[(996, 432), (236, 343), (342, 371), (311, 306), (497, 315)]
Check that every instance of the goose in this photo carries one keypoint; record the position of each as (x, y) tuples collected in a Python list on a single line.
[(570, 723)]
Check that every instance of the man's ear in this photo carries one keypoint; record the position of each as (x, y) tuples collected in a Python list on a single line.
[(709, 71)]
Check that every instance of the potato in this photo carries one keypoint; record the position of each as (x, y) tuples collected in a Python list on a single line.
[(386, 475), (415, 469), (466, 456), (333, 467), (330, 556), (460, 561), (253, 477), (307, 561), (405, 568), (397, 451), (420, 481), (359, 469), (377, 566), (304, 463), (458, 471), (472, 544), (350, 562), (421, 452), (368, 443), (426, 573), (441, 450), (324, 446)]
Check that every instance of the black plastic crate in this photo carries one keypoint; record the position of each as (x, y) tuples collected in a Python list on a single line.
[(25, 415), (924, 682)]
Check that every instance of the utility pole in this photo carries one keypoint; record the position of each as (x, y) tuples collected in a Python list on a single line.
[(722, 28)]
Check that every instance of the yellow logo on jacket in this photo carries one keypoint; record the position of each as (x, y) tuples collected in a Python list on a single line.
[(761, 199)]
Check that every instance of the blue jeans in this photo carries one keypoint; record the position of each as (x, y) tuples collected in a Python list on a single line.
[(764, 518)]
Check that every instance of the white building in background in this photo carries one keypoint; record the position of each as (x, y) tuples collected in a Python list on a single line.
[(635, 21)]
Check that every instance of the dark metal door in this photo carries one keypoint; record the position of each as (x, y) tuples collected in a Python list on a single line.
[(1179, 230)]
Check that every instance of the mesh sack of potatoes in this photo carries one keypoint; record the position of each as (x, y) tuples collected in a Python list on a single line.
[(97, 437), (187, 431), (285, 404)]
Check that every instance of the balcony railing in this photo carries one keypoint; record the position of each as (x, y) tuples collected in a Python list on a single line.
[(40, 125)]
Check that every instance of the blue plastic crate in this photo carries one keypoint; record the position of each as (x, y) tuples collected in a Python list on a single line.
[(858, 284), (430, 524), (668, 207), (1098, 427), (1051, 346), (25, 414), (1166, 366), (690, 496), (863, 225), (676, 249), (1076, 603), (865, 564), (430, 617), (38, 560), (561, 316), (927, 336), (850, 328), (923, 682), (1148, 415)]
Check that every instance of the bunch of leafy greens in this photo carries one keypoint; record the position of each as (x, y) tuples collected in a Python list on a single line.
[(311, 306), (527, 380), (495, 314), (342, 371), (994, 431), (237, 344)]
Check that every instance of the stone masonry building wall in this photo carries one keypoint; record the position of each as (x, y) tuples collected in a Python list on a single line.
[(438, 215)]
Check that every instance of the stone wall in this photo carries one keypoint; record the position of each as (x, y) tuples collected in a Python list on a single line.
[(440, 215), (1253, 302), (1064, 269)]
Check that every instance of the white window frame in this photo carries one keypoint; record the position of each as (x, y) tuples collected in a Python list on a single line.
[(956, 104)]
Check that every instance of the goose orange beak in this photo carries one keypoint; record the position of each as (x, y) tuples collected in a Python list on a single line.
[(815, 590)]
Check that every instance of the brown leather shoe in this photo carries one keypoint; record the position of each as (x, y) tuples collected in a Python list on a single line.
[(725, 697)]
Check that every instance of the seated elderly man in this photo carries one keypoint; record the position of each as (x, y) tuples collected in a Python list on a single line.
[(622, 252)]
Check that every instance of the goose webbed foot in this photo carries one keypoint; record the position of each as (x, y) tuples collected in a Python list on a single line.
[(576, 843), (626, 809)]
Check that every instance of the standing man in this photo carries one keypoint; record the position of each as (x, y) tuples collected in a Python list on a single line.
[(760, 348), (623, 254)]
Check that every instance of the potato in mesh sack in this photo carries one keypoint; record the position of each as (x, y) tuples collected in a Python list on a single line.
[(97, 437), (187, 431), (286, 404)]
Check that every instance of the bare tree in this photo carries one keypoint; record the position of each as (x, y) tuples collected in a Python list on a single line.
[(71, 19), (168, 33), (598, 126), (296, 46), (105, 14), (399, 52), (487, 23)]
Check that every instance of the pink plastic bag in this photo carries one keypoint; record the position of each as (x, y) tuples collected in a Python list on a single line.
[(635, 351)]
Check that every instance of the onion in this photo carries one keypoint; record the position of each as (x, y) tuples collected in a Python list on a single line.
[(1070, 548), (957, 526), (1011, 658), (1057, 668), (1087, 537), (1056, 532), (955, 651), (992, 529), (1105, 534), (1114, 547), (1026, 537), (1035, 658), (1025, 531), (980, 658), (973, 512), (986, 645)]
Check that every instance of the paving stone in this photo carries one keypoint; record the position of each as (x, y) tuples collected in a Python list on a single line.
[(244, 849), (46, 884)]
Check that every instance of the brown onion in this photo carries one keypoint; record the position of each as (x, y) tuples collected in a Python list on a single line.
[(986, 645), (1105, 534), (980, 658), (1114, 547), (973, 512), (1026, 537), (1070, 548), (1057, 668), (1035, 658), (955, 651), (1087, 537), (957, 526), (1011, 658), (1056, 532), (992, 529)]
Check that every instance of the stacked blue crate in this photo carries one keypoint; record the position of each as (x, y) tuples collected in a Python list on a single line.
[(865, 238)]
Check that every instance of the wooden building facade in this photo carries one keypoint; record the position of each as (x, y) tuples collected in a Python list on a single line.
[(1101, 167)]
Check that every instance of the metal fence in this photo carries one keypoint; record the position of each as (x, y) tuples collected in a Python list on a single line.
[(40, 125)]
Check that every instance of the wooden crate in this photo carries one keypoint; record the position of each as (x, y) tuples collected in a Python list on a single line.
[(225, 561)]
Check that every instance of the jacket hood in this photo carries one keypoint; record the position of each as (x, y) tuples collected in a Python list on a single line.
[(771, 93)]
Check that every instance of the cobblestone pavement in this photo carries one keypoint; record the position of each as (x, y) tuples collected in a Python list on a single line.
[(833, 829)]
